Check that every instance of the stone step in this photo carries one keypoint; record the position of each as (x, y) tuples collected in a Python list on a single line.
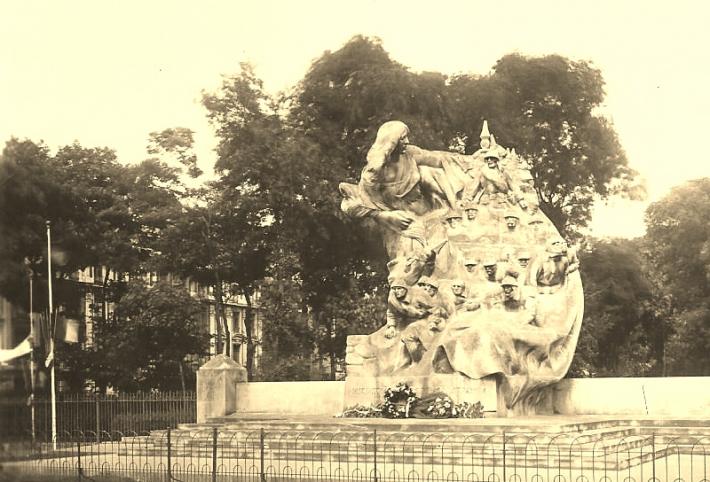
[(584, 444), (677, 430), (584, 460), (497, 425), (686, 441), (603, 437), (391, 428), (661, 422)]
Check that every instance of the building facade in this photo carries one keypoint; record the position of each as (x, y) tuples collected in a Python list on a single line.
[(88, 306)]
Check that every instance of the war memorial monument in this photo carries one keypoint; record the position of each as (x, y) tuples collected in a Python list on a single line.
[(483, 289)]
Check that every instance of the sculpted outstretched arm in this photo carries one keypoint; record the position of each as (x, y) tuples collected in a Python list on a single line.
[(425, 157)]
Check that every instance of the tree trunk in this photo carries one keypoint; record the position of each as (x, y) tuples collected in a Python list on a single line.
[(221, 318), (332, 351), (249, 329), (104, 303), (182, 377)]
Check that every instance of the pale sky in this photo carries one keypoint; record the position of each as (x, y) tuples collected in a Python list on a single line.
[(109, 73)]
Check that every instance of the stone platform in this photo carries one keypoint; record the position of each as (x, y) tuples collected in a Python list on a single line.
[(552, 442)]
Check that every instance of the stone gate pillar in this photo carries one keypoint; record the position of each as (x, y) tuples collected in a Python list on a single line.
[(217, 387)]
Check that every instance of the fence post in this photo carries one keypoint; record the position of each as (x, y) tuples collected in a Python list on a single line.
[(374, 446), (653, 455), (78, 458), (170, 462), (504, 467), (262, 474), (98, 418), (214, 454)]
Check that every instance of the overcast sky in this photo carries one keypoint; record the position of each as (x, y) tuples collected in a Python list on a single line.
[(109, 73)]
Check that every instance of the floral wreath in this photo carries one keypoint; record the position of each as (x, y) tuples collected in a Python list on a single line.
[(398, 401)]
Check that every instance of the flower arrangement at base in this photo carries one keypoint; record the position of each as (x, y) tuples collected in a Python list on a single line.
[(469, 410), (442, 407), (361, 411), (401, 401), (398, 401)]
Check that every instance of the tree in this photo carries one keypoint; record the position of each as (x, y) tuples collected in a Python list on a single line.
[(347, 94), (178, 143), (283, 176), (678, 239), (219, 243), (147, 343), (288, 338), (545, 108), (102, 213), (33, 191), (617, 335)]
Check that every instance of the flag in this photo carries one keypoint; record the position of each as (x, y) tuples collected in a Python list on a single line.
[(71, 330), (24, 348), (50, 357), (68, 330)]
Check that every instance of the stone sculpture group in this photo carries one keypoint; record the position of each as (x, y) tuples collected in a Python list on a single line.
[(481, 282)]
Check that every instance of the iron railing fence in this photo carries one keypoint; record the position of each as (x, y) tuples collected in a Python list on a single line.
[(127, 412), (212, 454)]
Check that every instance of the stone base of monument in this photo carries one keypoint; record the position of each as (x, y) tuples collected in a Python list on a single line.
[(540, 401), (362, 390)]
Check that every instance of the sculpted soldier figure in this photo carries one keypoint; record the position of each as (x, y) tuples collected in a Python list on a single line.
[(524, 268), (571, 254), (471, 210), (453, 219), (549, 274), (470, 265), (400, 310), (514, 302), (492, 182), (490, 265), (418, 336), (458, 288), (511, 220), (512, 234), (461, 301)]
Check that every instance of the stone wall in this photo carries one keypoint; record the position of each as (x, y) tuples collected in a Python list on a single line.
[(672, 396), (301, 398), (677, 396)]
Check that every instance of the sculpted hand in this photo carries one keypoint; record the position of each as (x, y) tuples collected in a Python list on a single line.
[(390, 331), (397, 220)]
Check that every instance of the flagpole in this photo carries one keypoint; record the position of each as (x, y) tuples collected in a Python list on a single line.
[(51, 339), (32, 351)]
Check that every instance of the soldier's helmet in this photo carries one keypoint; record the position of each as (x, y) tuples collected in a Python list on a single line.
[(553, 248), (398, 283), (453, 214), (509, 281), (492, 154)]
